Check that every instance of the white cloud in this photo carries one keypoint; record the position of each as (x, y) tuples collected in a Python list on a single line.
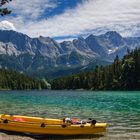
[(6, 25), (92, 16), (30, 10)]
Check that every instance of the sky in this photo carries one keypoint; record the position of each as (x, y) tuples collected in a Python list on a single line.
[(68, 19)]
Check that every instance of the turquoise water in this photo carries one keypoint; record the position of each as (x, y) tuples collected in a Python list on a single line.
[(121, 110)]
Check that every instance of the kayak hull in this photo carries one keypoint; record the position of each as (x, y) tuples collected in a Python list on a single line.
[(50, 126)]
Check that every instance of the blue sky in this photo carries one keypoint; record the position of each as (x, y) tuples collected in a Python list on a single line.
[(68, 19), (62, 5)]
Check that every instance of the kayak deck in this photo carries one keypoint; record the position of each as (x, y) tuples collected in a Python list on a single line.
[(38, 125)]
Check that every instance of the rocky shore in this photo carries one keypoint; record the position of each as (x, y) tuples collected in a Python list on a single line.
[(19, 136), (14, 136)]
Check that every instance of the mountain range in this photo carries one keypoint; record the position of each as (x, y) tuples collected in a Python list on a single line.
[(43, 56)]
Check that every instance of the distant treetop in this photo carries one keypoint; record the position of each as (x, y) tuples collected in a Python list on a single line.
[(4, 11)]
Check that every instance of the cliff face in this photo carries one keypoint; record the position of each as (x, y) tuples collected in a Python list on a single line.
[(22, 53)]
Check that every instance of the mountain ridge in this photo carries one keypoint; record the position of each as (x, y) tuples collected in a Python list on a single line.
[(22, 53)]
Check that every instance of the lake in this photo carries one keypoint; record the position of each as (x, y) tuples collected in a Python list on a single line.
[(121, 110)]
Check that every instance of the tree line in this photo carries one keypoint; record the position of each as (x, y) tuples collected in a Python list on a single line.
[(121, 75), (11, 80)]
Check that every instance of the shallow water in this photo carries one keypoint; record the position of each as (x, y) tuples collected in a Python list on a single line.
[(121, 110)]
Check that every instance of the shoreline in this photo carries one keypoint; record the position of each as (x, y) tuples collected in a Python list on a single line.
[(6, 135), (13, 136)]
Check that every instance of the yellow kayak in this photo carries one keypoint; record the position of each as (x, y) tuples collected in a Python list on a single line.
[(36, 125)]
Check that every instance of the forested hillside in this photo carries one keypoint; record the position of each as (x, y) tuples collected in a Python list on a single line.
[(15, 81), (121, 75)]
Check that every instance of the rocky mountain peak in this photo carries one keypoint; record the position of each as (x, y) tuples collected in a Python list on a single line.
[(19, 51), (112, 35)]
